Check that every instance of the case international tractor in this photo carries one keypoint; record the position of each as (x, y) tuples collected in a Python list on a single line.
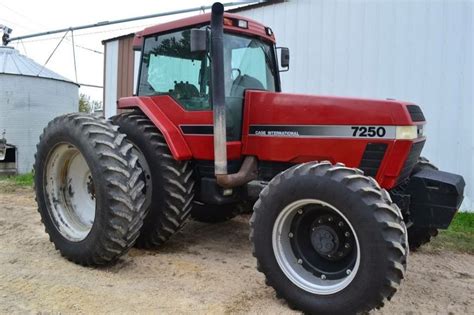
[(338, 187)]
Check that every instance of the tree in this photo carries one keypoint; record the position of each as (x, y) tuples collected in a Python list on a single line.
[(86, 105)]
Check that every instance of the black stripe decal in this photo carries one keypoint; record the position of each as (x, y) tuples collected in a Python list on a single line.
[(197, 129), (337, 131)]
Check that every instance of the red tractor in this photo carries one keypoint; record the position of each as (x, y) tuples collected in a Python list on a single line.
[(334, 182)]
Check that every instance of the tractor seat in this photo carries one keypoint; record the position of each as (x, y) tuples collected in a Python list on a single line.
[(245, 82), (185, 90)]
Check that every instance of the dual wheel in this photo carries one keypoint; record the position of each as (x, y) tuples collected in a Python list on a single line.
[(327, 238), (99, 192)]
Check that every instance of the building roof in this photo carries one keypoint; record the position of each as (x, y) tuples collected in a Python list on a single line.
[(12, 62), (118, 38), (255, 6)]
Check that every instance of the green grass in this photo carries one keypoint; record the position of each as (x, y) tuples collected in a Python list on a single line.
[(458, 237), (9, 183)]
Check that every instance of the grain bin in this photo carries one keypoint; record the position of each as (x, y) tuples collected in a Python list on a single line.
[(30, 96)]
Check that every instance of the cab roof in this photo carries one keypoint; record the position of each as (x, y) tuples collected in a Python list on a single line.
[(254, 28)]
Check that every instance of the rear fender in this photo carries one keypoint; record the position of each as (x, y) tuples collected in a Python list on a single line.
[(173, 136)]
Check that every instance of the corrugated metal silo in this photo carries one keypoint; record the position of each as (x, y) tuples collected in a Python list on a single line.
[(30, 96)]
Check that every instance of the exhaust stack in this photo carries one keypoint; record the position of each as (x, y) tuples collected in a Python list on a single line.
[(218, 89), (248, 170)]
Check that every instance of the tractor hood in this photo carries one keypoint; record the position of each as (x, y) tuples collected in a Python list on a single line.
[(296, 109)]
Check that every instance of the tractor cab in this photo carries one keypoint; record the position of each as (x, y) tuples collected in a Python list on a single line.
[(178, 63)]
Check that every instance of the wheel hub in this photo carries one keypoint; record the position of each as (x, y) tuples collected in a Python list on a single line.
[(331, 237), (324, 240), (316, 246)]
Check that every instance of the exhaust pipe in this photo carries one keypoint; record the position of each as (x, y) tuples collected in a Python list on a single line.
[(248, 170), (218, 88)]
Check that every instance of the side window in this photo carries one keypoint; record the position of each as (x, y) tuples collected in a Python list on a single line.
[(250, 62), (170, 68)]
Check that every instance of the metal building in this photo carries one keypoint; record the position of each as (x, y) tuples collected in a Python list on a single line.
[(419, 51), (30, 96)]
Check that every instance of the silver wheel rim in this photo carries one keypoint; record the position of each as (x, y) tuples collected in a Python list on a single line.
[(291, 265), (70, 192)]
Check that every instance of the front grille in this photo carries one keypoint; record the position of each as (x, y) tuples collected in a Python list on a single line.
[(415, 113), (372, 158), (411, 161)]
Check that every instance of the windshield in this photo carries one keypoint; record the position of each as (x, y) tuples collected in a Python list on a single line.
[(170, 68), (248, 64)]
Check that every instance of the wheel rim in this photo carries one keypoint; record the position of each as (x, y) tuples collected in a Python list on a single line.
[(316, 246), (70, 190)]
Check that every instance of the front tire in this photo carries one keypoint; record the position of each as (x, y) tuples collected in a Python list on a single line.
[(88, 189), (328, 239)]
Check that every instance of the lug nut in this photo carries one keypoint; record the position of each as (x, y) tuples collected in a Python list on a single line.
[(347, 245), (348, 271), (320, 221), (300, 211), (347, 234), (300, 261), (330, 219), (323, 277), (341, 224), (290, 235)]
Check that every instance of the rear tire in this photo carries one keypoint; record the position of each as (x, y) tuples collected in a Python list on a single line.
[(88, 189), (171, 181), (418, 236), (359, 275)]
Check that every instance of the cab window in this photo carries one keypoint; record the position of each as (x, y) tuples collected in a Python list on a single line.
[(170, 68)]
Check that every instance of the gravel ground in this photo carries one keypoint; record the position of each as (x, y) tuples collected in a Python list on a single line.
[(203, 269)]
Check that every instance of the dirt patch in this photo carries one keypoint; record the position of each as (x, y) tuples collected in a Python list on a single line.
[(204, 269)]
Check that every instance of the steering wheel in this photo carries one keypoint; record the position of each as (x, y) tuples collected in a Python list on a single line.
[(238, 70)]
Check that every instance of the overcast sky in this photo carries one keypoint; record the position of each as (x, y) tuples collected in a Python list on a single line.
[(28, 16)]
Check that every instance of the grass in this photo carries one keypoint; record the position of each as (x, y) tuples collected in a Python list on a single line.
[(458, 237), (10, 183)]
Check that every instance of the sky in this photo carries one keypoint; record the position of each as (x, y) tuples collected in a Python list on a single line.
[(28, 17)]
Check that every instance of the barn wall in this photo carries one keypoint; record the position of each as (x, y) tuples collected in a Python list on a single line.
[(419, 51), (125, 67), (120, 68), (111, 78), (27, 105)]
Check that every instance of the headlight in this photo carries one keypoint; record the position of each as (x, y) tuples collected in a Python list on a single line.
[(407, 132)]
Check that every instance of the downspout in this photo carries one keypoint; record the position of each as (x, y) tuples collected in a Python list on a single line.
[(248, 170)]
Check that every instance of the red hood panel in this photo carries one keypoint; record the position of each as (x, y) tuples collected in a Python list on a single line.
[(296, 109)]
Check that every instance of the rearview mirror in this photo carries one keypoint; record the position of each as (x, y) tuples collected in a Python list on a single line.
[(198, 40), (284, 58)]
